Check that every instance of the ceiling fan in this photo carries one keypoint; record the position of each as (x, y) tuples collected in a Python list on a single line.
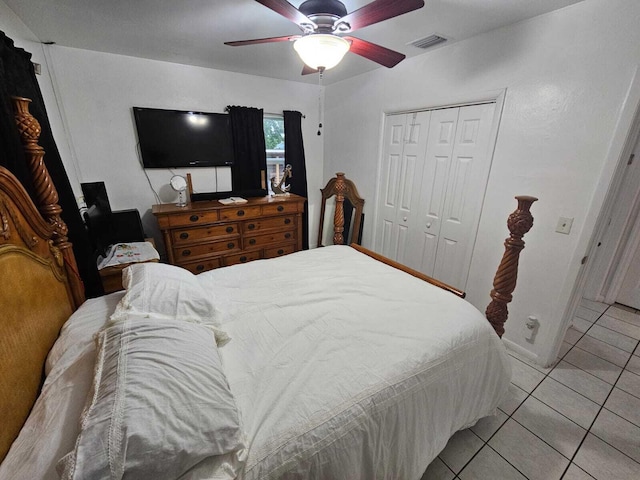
[(324, 25)]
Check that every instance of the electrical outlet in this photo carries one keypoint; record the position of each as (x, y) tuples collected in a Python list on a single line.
[(564, 225), (532, 325)]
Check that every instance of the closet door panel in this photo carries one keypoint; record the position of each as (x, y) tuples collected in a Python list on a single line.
[(466, 184), (403, 212), (433, 189), (418, 125), (427, 248), (386, 238), (403, 163)]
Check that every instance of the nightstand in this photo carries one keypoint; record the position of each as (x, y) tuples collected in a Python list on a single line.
[(112, 276)]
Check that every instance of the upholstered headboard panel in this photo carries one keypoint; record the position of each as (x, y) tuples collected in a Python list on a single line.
[(35, 300)]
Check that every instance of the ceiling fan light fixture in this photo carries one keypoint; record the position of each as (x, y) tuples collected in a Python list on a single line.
[(321, 50)]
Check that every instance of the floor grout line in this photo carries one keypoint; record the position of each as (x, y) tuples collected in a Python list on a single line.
[(614, 331), (601, 407)]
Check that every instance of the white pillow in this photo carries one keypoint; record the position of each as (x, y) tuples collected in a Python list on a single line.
[(159, 407), (164, 289), (167, 291)]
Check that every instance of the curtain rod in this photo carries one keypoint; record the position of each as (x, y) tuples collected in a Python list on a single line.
[(280, 114), (265, 113)]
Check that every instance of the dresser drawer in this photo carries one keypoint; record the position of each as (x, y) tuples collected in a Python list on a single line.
[(199, 218), (269, 238), (240, 212), (255, 226), (279, 208), (202, 266), (279, 251), (242, 258), (187, 252), (190, 235)]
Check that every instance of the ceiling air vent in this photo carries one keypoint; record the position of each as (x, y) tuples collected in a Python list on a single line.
[(428, 42)]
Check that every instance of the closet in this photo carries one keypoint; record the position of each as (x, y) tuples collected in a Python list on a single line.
[(433, 176)]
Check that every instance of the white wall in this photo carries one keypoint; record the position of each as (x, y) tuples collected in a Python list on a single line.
[(566, 74), (97, 90)]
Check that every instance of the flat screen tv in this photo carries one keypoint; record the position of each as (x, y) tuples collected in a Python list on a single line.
[(177, 139)]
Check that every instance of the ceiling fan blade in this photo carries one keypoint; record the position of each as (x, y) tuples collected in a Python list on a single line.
[(262, 40), (383, 56), (287, 10), (378, 11), (307, 70)]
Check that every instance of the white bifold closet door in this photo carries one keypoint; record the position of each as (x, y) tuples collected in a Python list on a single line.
[(434, 174)]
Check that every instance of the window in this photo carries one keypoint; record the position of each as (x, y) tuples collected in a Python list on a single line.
[(274, 139)]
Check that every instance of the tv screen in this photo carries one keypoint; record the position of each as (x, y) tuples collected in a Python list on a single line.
[(175, 139)]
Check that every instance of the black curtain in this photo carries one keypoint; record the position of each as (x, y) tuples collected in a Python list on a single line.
[(294, 155), (17, 77), (249, 170)]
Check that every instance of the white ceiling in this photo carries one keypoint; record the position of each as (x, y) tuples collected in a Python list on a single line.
[(193, 32)]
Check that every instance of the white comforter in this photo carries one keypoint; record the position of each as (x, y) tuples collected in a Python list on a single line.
[(344, 368)]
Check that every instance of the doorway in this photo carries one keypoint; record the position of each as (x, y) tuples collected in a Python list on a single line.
[(615, 273)]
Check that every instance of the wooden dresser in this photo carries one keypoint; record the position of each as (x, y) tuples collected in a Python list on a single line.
[(207, 235)]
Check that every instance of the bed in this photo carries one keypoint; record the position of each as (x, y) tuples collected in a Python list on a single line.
[(328, 363)]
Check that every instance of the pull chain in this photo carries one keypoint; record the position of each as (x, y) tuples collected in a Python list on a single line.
[(320, 109)]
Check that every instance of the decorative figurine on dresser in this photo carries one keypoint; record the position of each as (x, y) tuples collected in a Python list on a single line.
[(204, 235)]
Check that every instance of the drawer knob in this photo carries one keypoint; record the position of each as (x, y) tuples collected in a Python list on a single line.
[(194, 218), (200, 268), (240, 213), (229, 229), (186, 253), (287, 235), (184, 235), (280, 252), (252, 241), (231, 245), (243, 259), (280, 208), (287, 221), (251, 226)]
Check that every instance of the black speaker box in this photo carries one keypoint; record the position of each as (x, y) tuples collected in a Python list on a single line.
[(127, 226)]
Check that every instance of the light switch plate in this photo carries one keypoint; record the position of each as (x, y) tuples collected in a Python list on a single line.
[(564, 225)]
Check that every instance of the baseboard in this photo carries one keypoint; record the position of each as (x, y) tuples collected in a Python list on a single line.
[(520, 350)]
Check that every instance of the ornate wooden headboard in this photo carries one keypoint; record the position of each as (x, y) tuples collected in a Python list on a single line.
[(39, 284)]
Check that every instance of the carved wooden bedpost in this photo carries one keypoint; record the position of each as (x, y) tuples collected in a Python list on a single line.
[(46, 193), (338, 216), (519, 223), (342, 188)]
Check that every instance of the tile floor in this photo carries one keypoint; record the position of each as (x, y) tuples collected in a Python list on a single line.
[(577, 420)]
